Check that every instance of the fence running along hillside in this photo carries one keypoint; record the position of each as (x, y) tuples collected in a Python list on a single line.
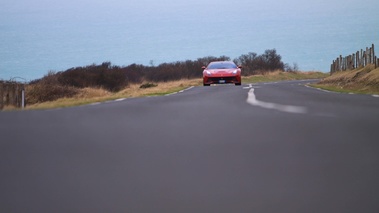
[(361, 58), (11, 94)]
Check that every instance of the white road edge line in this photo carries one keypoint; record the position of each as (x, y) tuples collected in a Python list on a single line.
[(188, 88), (172, 93), (323, 90), (120, 99), (252, 100), (181, 91), (350, 93)]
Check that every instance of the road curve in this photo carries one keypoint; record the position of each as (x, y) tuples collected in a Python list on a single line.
[(268, 147)]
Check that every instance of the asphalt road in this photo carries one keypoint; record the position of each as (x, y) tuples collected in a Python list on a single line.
[(276, 147)]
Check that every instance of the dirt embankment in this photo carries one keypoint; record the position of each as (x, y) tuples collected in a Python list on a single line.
[(361, 80)]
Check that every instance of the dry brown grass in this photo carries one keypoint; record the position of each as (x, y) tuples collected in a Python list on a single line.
[(274, 73), (134, 90), (282, 76), (361, 80), (10, 108), (93, 95)]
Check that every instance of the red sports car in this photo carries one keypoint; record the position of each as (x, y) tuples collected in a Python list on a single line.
[(222, 72)]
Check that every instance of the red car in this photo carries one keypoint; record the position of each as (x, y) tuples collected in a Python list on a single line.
[(222, 72)]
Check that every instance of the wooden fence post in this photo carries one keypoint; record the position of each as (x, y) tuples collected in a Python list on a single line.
[(336, 68), (362, 58), (373, 54), (6, 90), (1, 95), (13, 95), (356, 60), (343, 64), (368, 56), (17, 95), (350, 62)]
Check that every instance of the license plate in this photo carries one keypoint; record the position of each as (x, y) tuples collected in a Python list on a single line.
[(221, 81)]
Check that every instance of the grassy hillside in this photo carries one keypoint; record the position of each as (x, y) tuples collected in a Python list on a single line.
[(362, 80)]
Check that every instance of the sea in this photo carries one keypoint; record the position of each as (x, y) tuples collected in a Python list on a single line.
[(38, 36)]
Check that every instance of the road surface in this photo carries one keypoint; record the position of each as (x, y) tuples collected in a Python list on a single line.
[(268, 147)]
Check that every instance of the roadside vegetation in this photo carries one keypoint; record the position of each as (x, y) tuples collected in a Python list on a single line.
[(99, 83), (364, 80), (279, 75), (90, 95)]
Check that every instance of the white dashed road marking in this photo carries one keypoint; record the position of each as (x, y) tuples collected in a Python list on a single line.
[(251, 99)]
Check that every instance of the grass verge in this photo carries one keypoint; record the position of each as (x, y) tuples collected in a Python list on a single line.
[(361, 81), (93, 95), (283, 76)]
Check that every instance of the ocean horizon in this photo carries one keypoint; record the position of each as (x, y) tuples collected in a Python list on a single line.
[(37, 36)]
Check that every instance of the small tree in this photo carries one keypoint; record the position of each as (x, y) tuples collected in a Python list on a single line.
[(293, 68), (255, 64)]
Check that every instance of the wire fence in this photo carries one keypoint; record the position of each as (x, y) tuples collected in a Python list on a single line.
[(361, 58)]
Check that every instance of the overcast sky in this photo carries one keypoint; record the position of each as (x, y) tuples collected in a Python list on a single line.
[(176, 6)]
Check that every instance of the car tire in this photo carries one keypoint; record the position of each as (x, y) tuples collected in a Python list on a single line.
[(238, 84), (206, 85)]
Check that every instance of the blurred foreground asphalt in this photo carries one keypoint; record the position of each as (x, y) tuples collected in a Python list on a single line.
[(274, 147)]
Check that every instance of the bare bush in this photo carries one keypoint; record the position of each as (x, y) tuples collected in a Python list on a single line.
[(258, 64), (48, 89)]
